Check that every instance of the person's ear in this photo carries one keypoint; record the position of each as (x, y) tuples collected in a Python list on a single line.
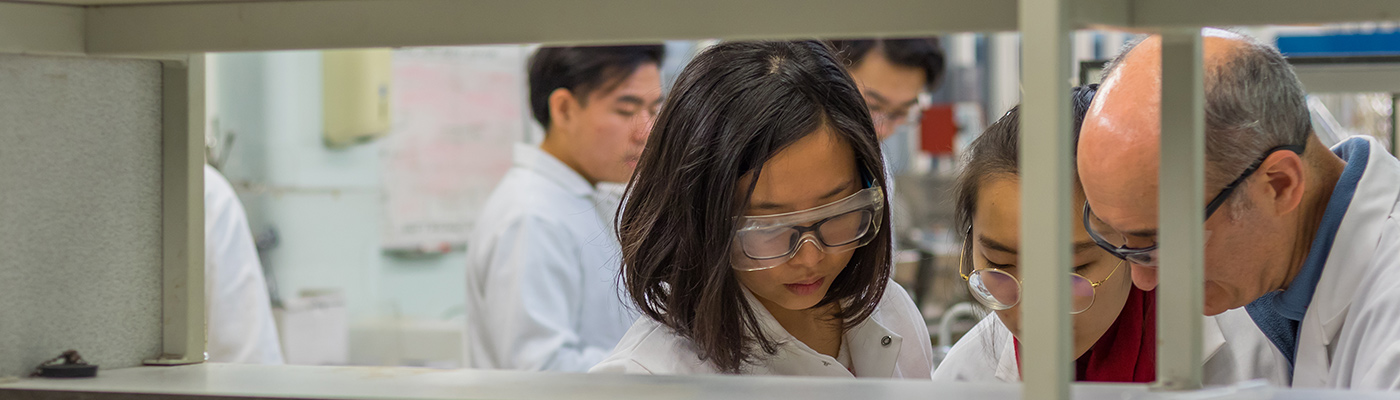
[(1283, 173), (563, 107)]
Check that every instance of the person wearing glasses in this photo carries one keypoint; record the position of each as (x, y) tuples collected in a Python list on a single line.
[(755, 234), (1305, 239), (1115, 326), (891, 74)]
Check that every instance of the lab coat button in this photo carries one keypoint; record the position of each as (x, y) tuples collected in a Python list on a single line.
[(885, 341)]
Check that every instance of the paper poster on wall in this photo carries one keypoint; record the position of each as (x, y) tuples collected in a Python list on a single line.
[(457, 112)]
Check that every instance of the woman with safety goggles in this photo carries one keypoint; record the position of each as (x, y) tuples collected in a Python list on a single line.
[(1115, 326), (755, 234)]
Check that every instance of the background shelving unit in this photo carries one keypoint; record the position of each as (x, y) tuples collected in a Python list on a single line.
[(178, 32)]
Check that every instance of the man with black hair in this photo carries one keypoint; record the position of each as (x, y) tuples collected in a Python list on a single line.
[(891, 74), (542, 262)]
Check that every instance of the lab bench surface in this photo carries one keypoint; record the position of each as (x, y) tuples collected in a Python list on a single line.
[(229, 381)]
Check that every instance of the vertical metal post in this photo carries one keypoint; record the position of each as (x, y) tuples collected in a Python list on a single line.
[(1394, 123), (1003, 71), (182, 212), (1181, 211), (1046, 212)]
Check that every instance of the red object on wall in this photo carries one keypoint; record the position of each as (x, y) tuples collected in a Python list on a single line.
[(937, 130)]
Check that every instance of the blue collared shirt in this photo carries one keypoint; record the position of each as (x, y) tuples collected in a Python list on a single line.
[(1279, 314)]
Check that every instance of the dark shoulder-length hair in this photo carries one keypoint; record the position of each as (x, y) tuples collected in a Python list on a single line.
[(733, 107), (996, 152)]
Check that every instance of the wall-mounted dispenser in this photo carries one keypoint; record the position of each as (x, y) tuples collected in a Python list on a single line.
[(356, 95)]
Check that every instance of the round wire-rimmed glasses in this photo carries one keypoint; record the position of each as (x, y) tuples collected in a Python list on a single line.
[(999, 290)]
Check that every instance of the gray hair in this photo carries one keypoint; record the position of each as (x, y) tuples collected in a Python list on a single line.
[(1254, 102)]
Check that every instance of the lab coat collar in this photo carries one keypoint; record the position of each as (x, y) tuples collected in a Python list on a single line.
[(1292, 303), (1212, 339), (771, 328), (532, 158), (1355, 242), (1352, 252), (1008, 369), (874, 348)]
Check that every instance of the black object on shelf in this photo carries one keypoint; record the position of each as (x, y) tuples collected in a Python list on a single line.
[(67, 365)]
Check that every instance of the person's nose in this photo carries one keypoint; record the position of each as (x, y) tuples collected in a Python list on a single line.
[(1144, 277), (808, 254)]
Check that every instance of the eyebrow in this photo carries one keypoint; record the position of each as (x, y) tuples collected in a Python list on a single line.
[(768, 205), (876, 96), (1003, 248), (631, 100), (1143, 233)]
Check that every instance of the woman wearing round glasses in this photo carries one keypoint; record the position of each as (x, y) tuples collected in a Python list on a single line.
[(1114, 322), (755, 234)]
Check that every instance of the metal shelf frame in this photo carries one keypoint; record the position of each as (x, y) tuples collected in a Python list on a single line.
[(182, 30)]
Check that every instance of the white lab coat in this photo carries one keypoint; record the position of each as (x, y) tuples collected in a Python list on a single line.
[(986, 353), (892, 343), (1350, 335), (240, 325), (542, 271)]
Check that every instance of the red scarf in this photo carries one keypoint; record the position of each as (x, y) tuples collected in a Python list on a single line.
[(1127, 352)]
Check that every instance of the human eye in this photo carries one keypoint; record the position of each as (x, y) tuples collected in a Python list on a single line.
[(899, 115), (628, 108)]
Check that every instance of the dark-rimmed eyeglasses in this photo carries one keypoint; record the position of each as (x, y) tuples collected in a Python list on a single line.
[(1147, 256)]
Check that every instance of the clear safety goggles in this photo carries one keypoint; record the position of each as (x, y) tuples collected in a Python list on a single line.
[(767, 241)]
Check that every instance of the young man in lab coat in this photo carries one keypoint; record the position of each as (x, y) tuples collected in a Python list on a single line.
[(1305, 238), (891, 75), (542, 263)]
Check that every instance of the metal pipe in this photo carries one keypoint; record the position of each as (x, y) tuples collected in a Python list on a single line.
[(1181, 214), (1046, 199)]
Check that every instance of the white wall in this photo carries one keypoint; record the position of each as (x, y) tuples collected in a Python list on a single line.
[(324, 203)]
